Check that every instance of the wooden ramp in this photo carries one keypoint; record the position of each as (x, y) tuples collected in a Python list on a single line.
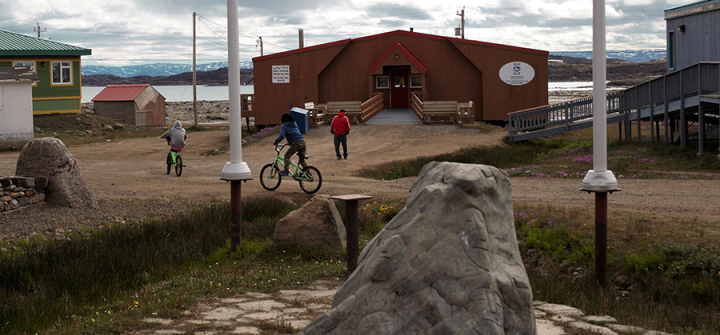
[(690, 94)]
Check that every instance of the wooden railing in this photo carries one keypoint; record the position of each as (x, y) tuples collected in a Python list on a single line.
[(661, 95), (417, 106), (353, 110), (372, 107)]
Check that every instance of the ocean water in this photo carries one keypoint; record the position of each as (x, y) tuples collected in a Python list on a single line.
[(179, 93), (185, 92)]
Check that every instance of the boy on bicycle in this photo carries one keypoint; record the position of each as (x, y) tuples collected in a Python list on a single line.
[(175, 137), (290, 130)]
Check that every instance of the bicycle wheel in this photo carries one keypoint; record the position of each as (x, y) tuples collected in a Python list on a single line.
[(270, 177), (315, 180), (178, 165), (168, 161)]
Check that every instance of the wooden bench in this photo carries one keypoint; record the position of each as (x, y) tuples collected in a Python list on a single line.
[(353, 110), (440, 111)]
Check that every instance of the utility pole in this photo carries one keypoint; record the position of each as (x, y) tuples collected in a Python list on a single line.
[(259, 41), (38, 30), (462, 22), (195, 74)]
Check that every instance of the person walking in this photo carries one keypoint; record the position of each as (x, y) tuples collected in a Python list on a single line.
[(340, 127)]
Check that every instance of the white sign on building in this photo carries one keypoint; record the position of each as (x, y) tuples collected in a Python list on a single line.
[(280, 74), (517, 73)]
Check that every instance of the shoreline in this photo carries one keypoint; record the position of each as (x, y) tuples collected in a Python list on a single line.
[(214, 112)]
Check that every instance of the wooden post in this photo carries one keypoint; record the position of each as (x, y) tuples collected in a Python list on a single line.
[(353, 234), (652, 113), (701, 126), (665, 100), (637, 105), (683, 126)]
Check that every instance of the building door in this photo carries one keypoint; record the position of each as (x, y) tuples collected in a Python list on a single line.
[(399, 88)]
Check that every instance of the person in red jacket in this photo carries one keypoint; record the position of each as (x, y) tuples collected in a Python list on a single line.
[(340, 127)]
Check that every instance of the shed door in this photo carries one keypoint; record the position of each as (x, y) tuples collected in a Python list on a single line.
[(399, 88)]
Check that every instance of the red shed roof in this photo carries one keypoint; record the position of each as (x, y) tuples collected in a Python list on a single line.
[(120, 92), (402, 32)]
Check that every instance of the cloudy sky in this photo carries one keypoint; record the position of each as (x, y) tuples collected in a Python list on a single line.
[(132, 32)]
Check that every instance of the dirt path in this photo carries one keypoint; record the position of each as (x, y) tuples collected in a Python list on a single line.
[(134, 169)]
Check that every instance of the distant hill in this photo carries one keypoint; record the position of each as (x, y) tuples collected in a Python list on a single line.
[(157, 69), (217, 77), (626, 55)]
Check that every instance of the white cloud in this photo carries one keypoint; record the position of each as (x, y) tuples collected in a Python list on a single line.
[(134, 31)]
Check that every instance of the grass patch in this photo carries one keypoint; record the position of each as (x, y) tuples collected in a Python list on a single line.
[(568, 158), (667, 285), (47, 280), (110, 280), (248, 138)]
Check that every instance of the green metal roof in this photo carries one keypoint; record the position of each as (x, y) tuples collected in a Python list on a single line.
[(13, 44)]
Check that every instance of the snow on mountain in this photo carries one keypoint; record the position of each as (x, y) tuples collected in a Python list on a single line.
[(157, 69), (628, 55)]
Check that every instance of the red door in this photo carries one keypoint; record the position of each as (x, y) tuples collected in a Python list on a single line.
[(399, 88)]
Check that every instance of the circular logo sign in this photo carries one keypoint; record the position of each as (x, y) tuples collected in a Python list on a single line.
[(517, 73)]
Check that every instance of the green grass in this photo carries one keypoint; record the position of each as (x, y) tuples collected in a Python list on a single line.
[(47, 280), (663, 285), (562, 158), (108, 281)]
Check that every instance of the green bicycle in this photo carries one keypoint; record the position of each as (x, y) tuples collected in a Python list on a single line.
[(174, 160), (309, 178)]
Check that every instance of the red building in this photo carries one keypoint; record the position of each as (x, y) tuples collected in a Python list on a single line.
[(403, 66), (138, 104)]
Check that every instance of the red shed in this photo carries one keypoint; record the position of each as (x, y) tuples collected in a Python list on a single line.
[(402, 69), (139, 104)]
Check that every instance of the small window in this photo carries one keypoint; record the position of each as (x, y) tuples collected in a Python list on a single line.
[(62, 73), (25, 63), (416, 81), (671, 50), (382, 82), (399, 82)]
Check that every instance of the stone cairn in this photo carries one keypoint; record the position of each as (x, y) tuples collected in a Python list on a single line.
[(49, 157), (16, 192), (448, 263)]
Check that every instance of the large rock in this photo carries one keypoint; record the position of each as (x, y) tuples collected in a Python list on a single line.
[(48, 157), (446, 264), (317, 222)]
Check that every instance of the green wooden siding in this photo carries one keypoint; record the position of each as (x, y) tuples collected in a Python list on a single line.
[(44, 89), (40, 106)]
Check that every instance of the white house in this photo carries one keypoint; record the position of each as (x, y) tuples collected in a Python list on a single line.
[(16, 105)]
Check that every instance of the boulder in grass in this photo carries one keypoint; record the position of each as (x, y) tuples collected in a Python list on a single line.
[(317, 222), (448, 263), (48, 157)]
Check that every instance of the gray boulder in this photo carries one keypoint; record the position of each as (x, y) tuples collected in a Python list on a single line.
[(446, 264), (48, 157), (317, 222)]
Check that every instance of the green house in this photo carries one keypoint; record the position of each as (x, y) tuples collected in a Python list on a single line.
[(57, 65)]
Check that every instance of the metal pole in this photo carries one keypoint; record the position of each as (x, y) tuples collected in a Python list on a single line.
[(601, 236), (235, 215), (353, 234), (194, 74), (235, 170), (599, 180)]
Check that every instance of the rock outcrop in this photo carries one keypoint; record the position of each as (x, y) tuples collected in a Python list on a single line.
[(317, 222), (446, 264), (48, 157)]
